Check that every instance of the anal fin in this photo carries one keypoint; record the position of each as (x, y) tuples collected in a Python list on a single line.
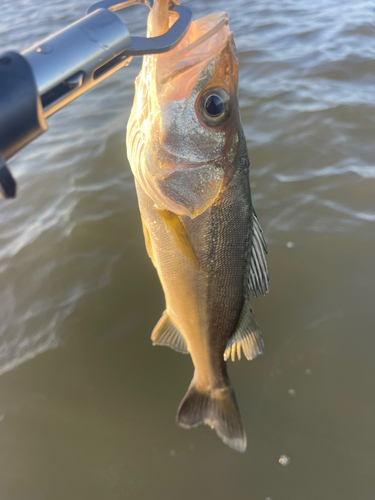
[(165, 333), (259, 275), (247, 337)]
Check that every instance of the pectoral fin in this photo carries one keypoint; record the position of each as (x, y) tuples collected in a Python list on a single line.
[(259, 275), (148, 243), (165, 333), (176, 229), (246, 337)]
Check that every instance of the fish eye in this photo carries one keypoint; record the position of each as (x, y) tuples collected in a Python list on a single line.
[(213, 106)]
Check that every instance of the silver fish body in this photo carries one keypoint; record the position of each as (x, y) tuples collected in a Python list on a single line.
[(201, 232)]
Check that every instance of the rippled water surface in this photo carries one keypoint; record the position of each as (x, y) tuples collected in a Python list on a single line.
[(87, 405)]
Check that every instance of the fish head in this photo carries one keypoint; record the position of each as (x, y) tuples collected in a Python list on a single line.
[(184, 136)]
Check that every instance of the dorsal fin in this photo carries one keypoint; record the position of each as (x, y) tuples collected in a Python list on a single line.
[(259, 275), (165, 333), (246, 337)]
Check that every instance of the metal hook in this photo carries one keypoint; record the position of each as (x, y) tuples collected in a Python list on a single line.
[(153, 45)]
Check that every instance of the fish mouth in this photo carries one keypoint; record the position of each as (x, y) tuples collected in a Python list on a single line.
[(212, 31)]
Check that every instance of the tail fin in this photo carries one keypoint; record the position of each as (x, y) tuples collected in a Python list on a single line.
[(218, 409)]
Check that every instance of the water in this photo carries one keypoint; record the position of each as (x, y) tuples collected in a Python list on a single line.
[(87, 405)]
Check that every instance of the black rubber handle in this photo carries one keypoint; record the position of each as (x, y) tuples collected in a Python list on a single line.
[(21, 114)]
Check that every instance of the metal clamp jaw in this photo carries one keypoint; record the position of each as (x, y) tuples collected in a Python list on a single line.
[(65, 65), (154, 45)]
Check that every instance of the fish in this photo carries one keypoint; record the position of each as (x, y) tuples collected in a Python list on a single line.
[(188, 153)]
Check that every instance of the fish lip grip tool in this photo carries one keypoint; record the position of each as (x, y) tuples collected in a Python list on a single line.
[(51, 74), (153, 45)]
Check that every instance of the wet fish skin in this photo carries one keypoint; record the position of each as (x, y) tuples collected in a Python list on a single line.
[(197, 176)]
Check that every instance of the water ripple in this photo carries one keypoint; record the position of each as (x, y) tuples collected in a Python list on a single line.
[(306, 95)]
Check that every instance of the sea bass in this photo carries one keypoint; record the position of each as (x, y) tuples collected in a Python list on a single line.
[(188, 154)]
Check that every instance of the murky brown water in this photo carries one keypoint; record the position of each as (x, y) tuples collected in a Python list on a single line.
[(87, 405)]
